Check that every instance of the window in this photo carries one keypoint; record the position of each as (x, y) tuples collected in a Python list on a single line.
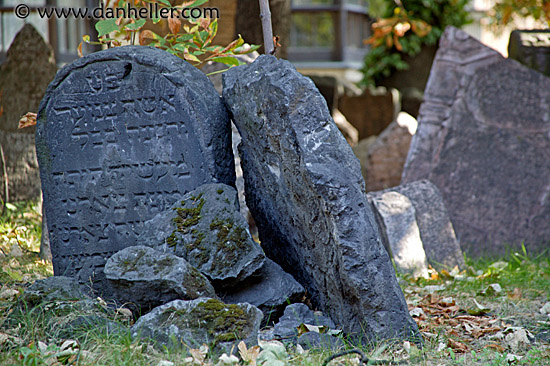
[(329, 30)]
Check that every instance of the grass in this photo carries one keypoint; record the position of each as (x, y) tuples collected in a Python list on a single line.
[(441, 306)]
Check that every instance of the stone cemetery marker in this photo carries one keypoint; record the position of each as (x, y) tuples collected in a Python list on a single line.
[(24, 76), (400, 233), (484, 140), (122, 134), (531, 48), (428, 234), (305, 190)]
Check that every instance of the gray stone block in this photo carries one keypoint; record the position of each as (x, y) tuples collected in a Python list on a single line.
[(146, 278), (304, 188), (180, 324), (482, 139), (270, 289), (207, 229)]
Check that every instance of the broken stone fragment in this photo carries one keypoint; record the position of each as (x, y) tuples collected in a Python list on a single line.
[(148, 278), (399, 231), (181, 324), (207, 229), (270, 289), (416, 227)]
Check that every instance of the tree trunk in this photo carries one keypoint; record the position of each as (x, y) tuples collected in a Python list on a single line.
[(248, 23)]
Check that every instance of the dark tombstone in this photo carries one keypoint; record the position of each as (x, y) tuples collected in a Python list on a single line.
[(305, 190), (24, 76), (121, 135), (531, 48), (483, 139)]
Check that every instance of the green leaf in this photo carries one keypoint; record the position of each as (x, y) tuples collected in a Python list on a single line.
[(198, 53), (156, 20), (165, 2), (181, 47), (106, 26), (197, 3), (136, 25), (227, 60), (273, 354), (184, 37)]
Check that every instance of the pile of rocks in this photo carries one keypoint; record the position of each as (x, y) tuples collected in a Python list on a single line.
[(137, 170)]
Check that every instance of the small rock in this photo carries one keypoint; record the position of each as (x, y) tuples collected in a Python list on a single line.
[(320, 340), (8, 294), (148, 278), (545, 309), (294, 316), (56, 288), (416, 312), (180, 323), (15, 251), (270, 290), (207, 229)]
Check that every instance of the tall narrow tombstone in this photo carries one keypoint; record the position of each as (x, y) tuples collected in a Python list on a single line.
[(483, 139), (121, 135), (28, 69), (304, 188)]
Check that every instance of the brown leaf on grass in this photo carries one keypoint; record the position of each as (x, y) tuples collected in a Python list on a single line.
[(174, 25), (495, 346), (515, 295), (144, 35), (457, 346), (27, 120)]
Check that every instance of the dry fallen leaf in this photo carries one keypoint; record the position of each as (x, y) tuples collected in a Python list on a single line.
[(457, 346), (27, 120)]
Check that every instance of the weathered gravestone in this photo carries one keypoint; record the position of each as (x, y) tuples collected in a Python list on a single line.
[(382, 162), (121, 135), (305, 190), (24, 76), (428, 234), (531, 48), (399, 231), (483, 139)]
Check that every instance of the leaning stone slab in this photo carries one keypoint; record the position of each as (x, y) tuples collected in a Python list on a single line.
[(483, 139), (28, 69), (147, 278), (270, 289), (207, 229), (396, 218), (305, 190), (121, 135), (436, 230), (179, 324)]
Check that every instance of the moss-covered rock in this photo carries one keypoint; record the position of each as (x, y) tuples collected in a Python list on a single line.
[(148, 278), (207, 229), (179, 324)]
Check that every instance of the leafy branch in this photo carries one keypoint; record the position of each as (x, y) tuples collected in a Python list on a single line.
[(191, 42)]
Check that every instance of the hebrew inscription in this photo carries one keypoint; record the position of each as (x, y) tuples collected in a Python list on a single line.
[(123, 134)]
